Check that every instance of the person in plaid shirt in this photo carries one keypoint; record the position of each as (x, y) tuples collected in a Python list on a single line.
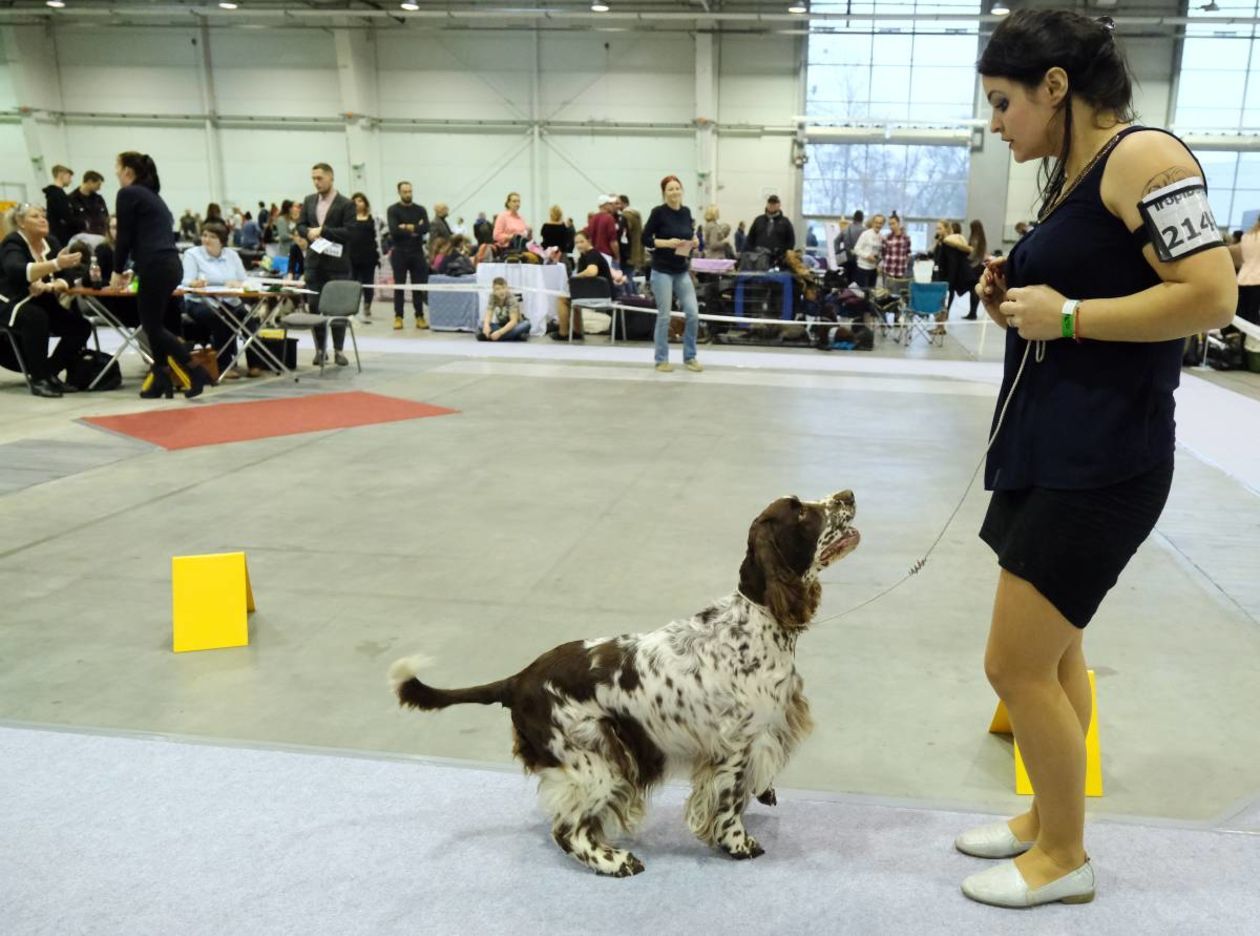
[(895, 259)]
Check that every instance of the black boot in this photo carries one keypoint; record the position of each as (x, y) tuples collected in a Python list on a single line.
[(156, 385), (192, 377), (44, 388)]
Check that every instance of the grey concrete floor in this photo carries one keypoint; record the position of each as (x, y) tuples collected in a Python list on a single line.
[(570, 500)]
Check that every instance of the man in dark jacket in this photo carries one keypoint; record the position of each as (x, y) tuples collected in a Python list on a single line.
[(772, 231), (408, 227), (325, 226), (60, 212), (91, 214)]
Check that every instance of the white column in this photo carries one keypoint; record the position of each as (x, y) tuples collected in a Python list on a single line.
[(707, 62), (357, 75), (32, 56), (210, 107), (536, 208), (988, 179)]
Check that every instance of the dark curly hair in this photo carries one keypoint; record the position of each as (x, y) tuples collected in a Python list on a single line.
[(1029, 43)]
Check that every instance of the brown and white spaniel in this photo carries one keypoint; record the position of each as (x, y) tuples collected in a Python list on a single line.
[(715, 697)]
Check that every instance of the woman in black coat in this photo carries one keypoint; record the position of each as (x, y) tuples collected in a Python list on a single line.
[(146, 236), (30, 260), (364, 253)]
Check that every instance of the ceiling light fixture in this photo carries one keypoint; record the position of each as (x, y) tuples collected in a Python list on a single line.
[(798, 8), (598, 7), (1000, 9), (55, 4), (410, 7), (226, 5)]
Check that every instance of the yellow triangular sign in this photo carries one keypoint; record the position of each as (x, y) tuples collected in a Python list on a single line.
[(210, 598), (1001, 724)]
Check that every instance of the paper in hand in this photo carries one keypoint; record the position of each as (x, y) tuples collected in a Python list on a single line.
[(683, 249)]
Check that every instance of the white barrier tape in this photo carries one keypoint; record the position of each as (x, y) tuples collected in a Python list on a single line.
[(1251, 331), (746, 319), (457, 287)]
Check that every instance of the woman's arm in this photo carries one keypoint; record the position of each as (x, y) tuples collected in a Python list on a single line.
[(501, 235), (125, 210), (1196, 293), (192, 274)]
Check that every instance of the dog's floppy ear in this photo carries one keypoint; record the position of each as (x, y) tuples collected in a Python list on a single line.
[(766, 578)]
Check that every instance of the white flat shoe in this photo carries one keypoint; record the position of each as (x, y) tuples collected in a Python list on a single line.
[(1004, 886), (995, 840)]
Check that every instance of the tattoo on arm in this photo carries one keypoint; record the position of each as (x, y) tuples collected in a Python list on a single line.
[(1167, 177)]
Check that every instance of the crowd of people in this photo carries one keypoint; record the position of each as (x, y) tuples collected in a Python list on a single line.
[(325, 236)]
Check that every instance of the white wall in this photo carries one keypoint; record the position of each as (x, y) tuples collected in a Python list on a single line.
[(757, 86), (591, 79)]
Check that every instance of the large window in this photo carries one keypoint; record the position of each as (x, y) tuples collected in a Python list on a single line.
[(1218, 90), (891, 72)]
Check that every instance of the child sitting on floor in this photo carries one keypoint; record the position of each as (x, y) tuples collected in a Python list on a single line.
[(502, 320)]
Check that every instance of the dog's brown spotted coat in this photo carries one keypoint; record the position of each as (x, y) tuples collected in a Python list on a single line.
[(715, 697)]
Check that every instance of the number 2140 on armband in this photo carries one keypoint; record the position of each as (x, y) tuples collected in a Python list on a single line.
[(1179, 220)]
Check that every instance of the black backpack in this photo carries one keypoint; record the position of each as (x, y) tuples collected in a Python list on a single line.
[(756, 260), (458, 264), (84, 368)]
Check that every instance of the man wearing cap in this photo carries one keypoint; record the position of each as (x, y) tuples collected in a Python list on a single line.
[(772, 231), (602, 229)]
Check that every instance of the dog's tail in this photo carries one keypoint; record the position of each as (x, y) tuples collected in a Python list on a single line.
[(412, 693)]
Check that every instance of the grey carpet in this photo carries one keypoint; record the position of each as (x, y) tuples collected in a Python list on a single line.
[(136, 836), (26, 462)]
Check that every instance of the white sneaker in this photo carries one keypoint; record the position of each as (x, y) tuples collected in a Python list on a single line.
[(1004, 886), (995, 840)]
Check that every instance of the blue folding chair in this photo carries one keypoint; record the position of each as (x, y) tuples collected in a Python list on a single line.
[(927, 301)]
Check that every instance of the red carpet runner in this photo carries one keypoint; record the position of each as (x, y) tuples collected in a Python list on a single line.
[(193, 425)]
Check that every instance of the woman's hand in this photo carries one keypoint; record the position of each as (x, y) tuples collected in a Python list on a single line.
[(199, 283), (992, 285), (118, 281), (1035, 311), (39, 287), (66, 260), (58, 287)]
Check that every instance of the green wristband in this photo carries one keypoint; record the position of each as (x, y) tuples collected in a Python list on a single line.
[(1068, 328)]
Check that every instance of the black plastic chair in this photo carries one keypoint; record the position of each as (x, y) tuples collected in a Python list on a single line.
[(590, 292), (338, 302)]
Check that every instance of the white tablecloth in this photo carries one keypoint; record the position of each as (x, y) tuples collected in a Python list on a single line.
[(537, 307)]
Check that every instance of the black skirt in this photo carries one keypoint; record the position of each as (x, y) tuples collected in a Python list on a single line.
[(1073, 545)]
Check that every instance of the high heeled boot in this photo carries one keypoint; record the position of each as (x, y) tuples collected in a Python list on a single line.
[(192, 379), (156, 384)]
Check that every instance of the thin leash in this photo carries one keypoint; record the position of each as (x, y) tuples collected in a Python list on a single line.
[(920, 563)]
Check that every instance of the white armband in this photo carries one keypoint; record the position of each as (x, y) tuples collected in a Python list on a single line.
[(1179, 220)]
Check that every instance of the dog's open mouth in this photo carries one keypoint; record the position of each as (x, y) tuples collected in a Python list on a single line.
[(846, 542)]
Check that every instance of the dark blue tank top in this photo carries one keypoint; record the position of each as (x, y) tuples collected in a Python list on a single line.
[(1098, 412)]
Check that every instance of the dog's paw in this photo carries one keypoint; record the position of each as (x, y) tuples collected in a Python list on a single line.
[(768, 798), (629, 867), (748, 848)]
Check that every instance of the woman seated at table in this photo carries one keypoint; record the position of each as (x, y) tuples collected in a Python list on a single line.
[(216, 264), (30, 263)]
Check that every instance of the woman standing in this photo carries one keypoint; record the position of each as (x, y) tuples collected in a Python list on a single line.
[(867, 251), (1082, 456), (1249, 275), (555, 233), (509, 224), (978, 248), (364, 252), (668, 233), (146, 236), (716, 233)]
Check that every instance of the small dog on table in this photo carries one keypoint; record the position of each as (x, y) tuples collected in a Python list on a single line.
[(715, 697)]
